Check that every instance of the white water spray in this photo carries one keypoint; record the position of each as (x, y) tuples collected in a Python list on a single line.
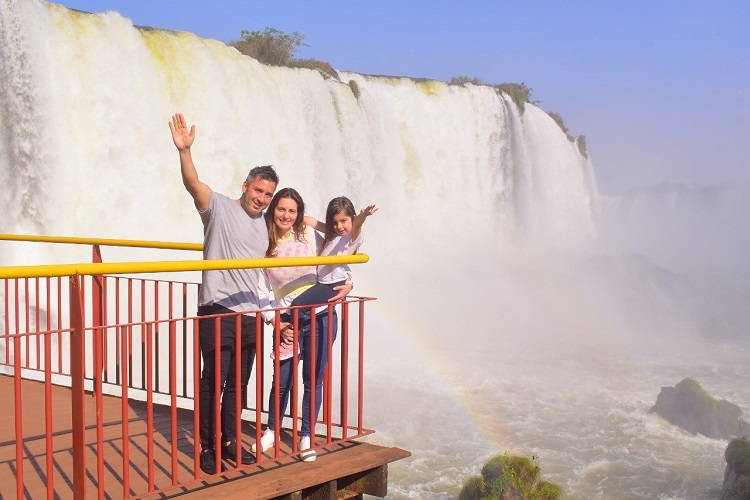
[(87, 124)]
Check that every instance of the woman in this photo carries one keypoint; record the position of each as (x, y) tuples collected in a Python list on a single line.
[(289, 237)]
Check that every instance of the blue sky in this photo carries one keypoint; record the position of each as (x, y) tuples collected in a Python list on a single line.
[(659, 88)]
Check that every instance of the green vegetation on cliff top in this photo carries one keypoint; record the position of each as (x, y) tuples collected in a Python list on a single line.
[(277, 48), (509, 476)]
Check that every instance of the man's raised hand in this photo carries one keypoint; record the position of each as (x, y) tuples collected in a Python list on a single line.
[(182, 138)]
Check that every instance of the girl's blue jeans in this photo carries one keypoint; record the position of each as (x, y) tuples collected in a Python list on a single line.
[(286, 368)]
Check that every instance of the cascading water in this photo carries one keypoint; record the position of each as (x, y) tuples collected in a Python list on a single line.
[(88, 97), (486, 336), (22, 147)]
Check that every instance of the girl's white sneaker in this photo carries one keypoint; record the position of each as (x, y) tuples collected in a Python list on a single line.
[(309, 455)]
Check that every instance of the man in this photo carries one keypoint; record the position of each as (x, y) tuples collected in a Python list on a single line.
[(233, 229)]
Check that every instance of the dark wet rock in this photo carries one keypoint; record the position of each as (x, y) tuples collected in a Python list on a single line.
[(737, 474), (690, 407)]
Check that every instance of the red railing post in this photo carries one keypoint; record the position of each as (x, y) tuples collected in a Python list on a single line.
[(240, 389), (150, 333), (98, 362), (361, 396), (258, 381), (276, 383), (328, 384), (313, 377), (18, 412), (48, 398), (173, 392), (77, 372), (196, 398), (295, 379), (344, 334), (97, 289), (125, 336), (217, 393), (97, 310)]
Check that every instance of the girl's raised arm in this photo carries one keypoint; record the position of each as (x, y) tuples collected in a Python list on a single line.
[(360, 219)]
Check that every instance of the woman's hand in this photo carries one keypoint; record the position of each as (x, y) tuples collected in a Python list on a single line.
[(343, 290), (286, 333)]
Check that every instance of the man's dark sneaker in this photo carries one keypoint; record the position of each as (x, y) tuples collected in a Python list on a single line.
[(229, 452), (208, 462)]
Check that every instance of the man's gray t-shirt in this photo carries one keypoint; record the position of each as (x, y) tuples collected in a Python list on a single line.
[(230, 233)]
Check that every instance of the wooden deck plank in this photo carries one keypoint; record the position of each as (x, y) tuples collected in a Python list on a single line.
[(268, 479), (288, 475), (34, 465)]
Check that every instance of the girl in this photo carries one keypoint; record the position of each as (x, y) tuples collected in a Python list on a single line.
[(343, 236)]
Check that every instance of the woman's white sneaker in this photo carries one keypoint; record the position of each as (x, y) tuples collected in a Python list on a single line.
[(309, 455), (266, 441)]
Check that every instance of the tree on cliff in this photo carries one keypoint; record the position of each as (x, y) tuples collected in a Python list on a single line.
[(270, 46), (560, 123), (509, 477), (277, 48), (463, 80), (519, 92)]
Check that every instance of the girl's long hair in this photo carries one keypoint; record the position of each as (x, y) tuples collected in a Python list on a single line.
[(335, 206), (298, 228)]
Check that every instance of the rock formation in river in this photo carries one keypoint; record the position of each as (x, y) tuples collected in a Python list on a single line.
[(737, 475), (690, 407)]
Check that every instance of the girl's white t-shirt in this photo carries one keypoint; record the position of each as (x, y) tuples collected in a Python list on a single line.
[(340, 245)]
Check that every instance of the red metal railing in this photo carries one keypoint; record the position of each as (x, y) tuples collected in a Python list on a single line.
[(136, 340)]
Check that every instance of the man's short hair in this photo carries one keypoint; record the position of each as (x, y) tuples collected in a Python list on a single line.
[(265, 172)]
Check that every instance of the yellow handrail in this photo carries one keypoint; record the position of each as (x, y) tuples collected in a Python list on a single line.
[(167, 245), (54, 270)]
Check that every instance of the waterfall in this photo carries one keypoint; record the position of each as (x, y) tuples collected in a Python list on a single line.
[(85, 149), (22, 104)]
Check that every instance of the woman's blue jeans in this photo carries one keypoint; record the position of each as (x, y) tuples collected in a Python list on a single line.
[(286, 368)]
